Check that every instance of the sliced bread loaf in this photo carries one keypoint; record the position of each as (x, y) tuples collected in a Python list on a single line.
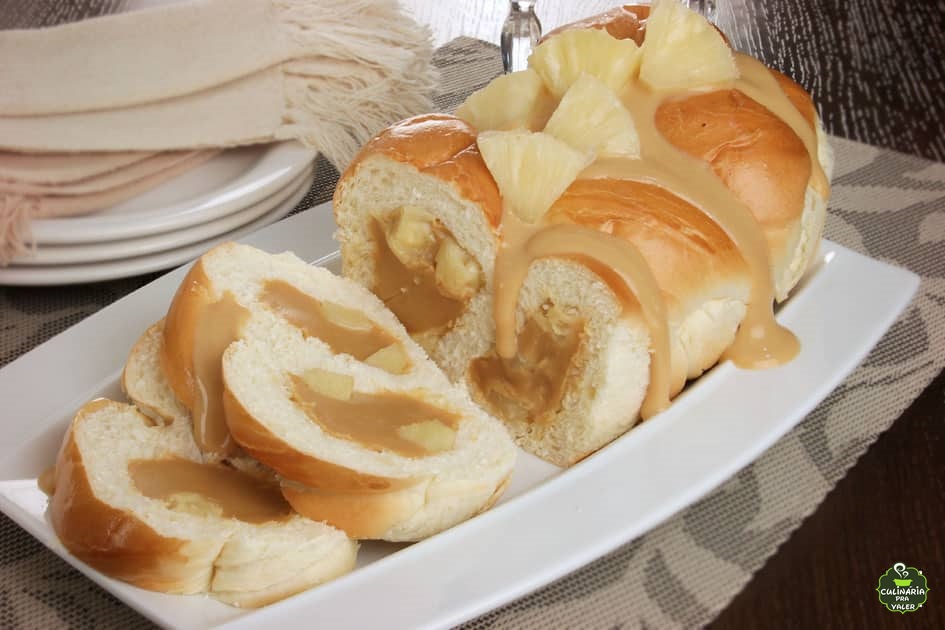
[(281, 319), (716, 200)]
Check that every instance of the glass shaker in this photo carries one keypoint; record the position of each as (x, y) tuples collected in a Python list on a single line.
[(520, 34)]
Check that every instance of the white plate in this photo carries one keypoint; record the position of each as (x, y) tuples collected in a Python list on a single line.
[(224, 184), (548, 523), (83, 253), (125, 267)]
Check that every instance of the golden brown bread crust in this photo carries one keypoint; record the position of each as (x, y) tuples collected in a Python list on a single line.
[(798, 97), (180, 326), (674, 236), (499, 491), (758, 157), (756, 154), (107, 539), (742, 140), (443, 146), (359, 515), (776, 199)]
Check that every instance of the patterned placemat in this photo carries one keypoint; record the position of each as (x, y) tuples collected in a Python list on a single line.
[(887, 205)]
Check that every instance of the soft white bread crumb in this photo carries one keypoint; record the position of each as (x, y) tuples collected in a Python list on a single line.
[(144, 382)]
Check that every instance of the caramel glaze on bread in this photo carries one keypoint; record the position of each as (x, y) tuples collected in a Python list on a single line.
[(705, 274), (738, 137)]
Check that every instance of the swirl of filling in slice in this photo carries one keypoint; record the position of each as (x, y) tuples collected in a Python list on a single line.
[(366, 434), (135, 501)]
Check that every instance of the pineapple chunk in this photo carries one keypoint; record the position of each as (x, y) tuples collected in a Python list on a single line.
[(531, 169), (411, 237), (590, 117), (346, 317), (331, 384), (194, 503), (682, 50), (431, 435), (392, 358), (457, 274), (510, 101), (565, 57)]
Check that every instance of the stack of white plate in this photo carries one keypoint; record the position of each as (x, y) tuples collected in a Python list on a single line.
[(227, 197)]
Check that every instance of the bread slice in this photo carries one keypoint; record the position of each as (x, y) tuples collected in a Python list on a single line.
[(165, 540), (379, 470), (144, 382), (429, 169), (391, 496), (233, 288)]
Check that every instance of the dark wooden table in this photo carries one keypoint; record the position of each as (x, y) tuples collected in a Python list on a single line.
[(876, 70)]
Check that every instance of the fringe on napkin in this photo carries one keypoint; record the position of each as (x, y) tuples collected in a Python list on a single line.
[(337, 114), (336, 108), (16, 237)]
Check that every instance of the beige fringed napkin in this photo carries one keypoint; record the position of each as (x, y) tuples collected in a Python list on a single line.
[(210, 73), (100, 182), (63, 168), (21, 202)]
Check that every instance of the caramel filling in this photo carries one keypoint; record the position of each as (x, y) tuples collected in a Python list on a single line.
[(421, 273), (385, 421), (622, 267), (345, 330), (219, 324), (529, 386), (209, 490)]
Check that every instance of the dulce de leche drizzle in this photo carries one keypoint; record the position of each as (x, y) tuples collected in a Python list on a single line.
[(209, 489), (412, 294), (219, 325), (760, 342), (757, 83), (523, 244)]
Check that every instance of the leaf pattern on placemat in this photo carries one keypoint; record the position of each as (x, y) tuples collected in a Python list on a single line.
[(744, 521), (887, 205)]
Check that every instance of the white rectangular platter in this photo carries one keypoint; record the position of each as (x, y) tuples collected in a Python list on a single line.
[(548, 523)]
